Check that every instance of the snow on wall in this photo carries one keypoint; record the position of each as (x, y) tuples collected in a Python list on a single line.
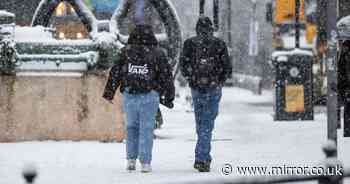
[(54, 62), (32, 34), (49, 74), (39, 34), (52, 66)]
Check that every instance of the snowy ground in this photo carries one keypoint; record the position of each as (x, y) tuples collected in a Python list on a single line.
[(245, 135)]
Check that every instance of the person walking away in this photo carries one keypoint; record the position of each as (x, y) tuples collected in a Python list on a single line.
[(145, 79), (344, 82), (206, 66)]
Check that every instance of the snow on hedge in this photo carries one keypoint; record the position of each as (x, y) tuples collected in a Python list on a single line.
[(104, 39), (40, 34), (4, 13), (6, 29)]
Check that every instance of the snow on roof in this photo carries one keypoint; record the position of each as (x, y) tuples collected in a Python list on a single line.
[(277, 54), (4, 13)]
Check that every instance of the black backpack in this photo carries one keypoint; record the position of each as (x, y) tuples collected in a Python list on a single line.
[(205, 65)]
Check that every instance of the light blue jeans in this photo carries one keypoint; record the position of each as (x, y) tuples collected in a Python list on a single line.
[(140, 112)]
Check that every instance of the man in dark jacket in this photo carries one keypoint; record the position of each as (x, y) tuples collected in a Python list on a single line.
[(344, 82), (145, 79), (206, 66)]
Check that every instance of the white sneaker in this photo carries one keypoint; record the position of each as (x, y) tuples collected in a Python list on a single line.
[(146, 168), (131, 165)]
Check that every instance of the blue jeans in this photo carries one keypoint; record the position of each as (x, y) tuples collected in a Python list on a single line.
[(140, 112), (206, 107)]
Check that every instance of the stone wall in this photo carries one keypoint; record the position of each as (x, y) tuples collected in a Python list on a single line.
[(58, 108)]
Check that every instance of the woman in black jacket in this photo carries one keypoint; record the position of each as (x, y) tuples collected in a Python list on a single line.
[(145, 79)]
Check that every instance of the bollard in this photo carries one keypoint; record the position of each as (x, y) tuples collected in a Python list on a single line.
[(332, 166), (29, 174)]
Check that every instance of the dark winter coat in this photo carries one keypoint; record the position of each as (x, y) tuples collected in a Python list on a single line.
[(143, 66), (217, 67), (344, 70)]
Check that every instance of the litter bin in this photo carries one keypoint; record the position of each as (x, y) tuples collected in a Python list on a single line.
[(293, 85)]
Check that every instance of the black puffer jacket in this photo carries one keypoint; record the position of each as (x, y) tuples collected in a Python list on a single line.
[(218, 68), (143, 66)]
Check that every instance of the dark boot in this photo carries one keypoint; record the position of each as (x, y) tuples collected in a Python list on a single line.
[(202, 166)]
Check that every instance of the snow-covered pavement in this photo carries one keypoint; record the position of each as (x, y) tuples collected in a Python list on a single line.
[(245, 135)]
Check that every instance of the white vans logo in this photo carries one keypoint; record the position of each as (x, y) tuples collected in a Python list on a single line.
[(140, 70), (203, 61)]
